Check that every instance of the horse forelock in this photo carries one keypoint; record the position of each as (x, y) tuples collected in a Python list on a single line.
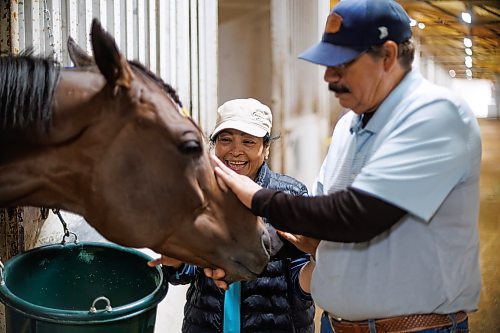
[(27, 86)]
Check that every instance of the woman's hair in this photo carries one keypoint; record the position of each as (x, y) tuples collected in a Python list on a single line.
[(406, 53)]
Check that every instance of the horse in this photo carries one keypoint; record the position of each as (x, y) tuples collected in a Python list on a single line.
[(107, 140)]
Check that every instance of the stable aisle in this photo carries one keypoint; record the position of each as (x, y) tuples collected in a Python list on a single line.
[(487, 319)]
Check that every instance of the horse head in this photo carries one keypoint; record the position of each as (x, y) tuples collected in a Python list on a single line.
[(118, 150)]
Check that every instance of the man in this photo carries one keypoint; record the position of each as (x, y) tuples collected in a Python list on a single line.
[(398, 193)]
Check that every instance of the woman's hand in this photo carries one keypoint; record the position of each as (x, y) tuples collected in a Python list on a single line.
[(303, 243), (216, 275), (242, 186), (167, 261)]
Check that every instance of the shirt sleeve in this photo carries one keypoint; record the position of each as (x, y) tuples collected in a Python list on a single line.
[(420, 162), (344, 216), (295, 267), (185, 274)]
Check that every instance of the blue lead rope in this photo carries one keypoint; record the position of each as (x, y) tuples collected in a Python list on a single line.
[(232, 308)]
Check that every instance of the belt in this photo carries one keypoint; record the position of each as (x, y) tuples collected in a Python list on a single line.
[(399, 324)]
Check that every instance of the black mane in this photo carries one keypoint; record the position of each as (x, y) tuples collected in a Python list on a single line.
[(27, 86)]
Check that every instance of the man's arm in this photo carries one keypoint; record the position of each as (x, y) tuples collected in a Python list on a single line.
[(344, 216)]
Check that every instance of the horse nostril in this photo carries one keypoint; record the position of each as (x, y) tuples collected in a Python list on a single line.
[(266, 242)]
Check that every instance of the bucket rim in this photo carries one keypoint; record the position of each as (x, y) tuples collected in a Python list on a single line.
[(80, 316)]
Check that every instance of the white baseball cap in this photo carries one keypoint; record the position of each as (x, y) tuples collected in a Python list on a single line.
[(246, 115)]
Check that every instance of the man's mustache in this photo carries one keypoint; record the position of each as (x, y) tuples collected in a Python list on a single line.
[(337, 88)]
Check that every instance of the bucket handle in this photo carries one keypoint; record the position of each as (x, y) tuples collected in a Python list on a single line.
[(108, 307), (67, 233), (2, 268)]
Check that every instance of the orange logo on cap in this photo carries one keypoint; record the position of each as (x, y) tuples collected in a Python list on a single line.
[(333, 23)]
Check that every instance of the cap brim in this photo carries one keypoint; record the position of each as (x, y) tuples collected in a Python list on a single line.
[(248, 128), (327, 54)]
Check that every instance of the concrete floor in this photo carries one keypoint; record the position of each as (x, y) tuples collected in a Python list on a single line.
[(487, 319)]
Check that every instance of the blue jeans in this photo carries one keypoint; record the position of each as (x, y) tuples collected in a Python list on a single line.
[(462, 327)]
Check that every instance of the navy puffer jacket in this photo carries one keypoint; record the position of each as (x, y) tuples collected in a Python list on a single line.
[(272, 303)]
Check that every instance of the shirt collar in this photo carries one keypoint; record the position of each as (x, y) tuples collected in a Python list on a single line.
[(384, 111)]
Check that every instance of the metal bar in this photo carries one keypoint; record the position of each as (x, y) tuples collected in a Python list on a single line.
[(181, 46), (194, 65), (163, 52), (58, 42), (80, 23), (151, 28), (141, 44), (129, 28), (14, 27)]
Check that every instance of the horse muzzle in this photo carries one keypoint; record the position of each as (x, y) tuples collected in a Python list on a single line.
[(248, 265)]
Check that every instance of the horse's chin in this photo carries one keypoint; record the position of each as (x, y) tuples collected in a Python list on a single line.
[(234, 269), (239, 273)]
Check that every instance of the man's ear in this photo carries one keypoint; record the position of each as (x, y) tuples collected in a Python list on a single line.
[(391, 54)]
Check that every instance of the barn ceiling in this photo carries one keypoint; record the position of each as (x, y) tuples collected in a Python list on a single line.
[(443, 35), (445, 30)]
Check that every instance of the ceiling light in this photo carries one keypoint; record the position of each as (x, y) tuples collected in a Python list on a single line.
[(467, 42), (413, 22), (452, 73), (421, 25), (468, 51), (466, 17), (468, 62)]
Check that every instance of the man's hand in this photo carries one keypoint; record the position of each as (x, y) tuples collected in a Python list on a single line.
[(242, 186), (216, 274), (303, 243), (167, 261)]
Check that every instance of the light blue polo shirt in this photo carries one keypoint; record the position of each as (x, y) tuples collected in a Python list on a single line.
[(421, 151)]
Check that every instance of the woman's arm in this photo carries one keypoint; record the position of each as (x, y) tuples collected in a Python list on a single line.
[(178, 272)]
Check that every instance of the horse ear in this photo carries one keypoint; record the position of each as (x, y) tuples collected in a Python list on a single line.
[(111, 63), (77, 55)]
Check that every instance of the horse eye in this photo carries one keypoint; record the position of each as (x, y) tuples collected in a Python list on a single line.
[(190, 147)]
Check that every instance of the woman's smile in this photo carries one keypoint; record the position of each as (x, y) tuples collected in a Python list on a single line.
[(236, 166)]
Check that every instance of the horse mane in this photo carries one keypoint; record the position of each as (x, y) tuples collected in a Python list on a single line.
[(168, 88), (27, 85)]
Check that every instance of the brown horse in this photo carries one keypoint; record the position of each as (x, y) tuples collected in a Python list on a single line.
[(108, 141)]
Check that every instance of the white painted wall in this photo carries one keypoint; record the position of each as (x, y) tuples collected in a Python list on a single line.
[(244, 56), (479, 95), (258, 47)]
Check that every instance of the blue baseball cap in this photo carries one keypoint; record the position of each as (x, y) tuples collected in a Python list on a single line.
[(353, 26)]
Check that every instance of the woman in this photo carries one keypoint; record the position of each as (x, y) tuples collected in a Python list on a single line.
[(274, 302)]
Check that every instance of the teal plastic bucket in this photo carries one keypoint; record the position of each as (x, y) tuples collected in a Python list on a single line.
[(81, 288)]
